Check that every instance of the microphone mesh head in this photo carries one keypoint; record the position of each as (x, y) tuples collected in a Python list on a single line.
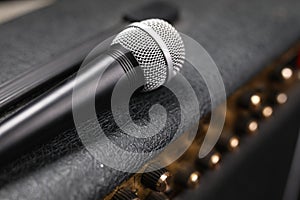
[(148, 53)]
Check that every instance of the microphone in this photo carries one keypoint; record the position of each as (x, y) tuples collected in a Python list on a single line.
[(153, 46)]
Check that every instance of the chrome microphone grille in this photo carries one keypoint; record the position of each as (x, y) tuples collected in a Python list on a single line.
[(157, 47)]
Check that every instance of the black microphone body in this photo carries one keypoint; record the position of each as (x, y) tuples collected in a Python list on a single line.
[(51, 113)]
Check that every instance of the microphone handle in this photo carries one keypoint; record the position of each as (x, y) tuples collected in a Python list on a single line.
[(51, 113)]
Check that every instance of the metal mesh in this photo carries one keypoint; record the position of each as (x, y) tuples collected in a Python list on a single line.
[(148, 53)]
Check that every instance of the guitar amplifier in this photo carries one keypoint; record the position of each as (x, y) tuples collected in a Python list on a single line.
[(256, 49)]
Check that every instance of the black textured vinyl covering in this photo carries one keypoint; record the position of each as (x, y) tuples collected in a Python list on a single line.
[(241, 36)]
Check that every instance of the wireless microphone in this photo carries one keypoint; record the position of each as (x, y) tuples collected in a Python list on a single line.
[(153, 45)]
